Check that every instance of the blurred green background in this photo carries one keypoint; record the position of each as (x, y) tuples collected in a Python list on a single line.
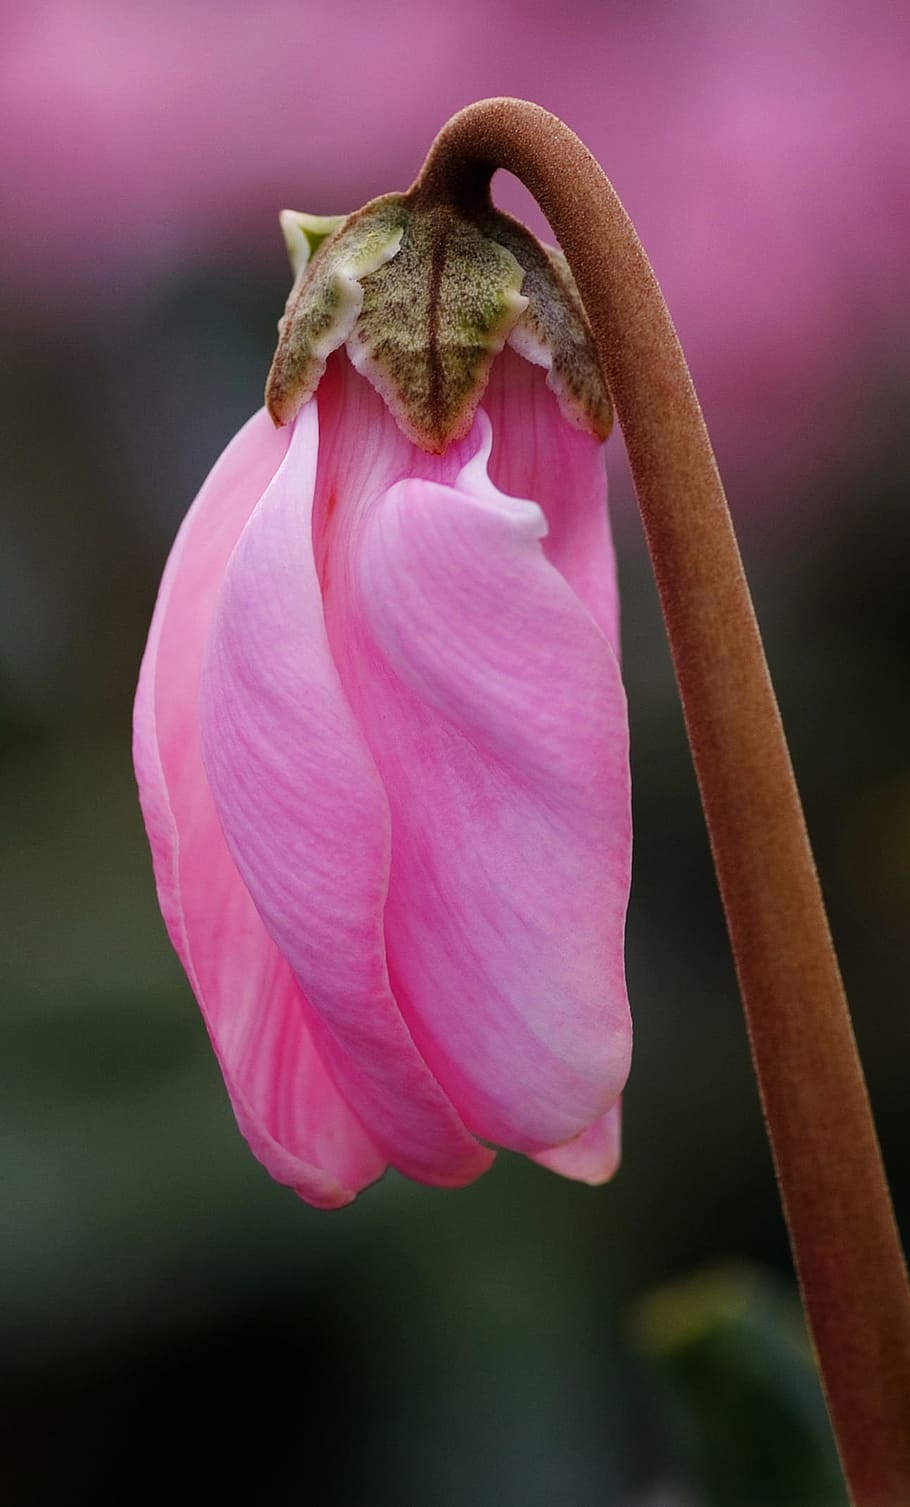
[(174, 1324)]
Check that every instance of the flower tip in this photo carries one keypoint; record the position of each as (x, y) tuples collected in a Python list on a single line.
[(592, 1157)]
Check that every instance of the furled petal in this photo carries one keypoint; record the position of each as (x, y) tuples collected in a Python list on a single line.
[(493, 706), (537, 453), (287, 1106), (307, 820), (563, 469)]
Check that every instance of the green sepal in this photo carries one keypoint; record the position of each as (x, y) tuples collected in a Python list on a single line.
[(326, 298), (433, 319), (425, 296), (553, 331)]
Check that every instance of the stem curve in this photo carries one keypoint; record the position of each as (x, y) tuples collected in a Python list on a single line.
[(829, 1170)]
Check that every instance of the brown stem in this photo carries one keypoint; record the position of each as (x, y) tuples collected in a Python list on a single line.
[(829, 1169)]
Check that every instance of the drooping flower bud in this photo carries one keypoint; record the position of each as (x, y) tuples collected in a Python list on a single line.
[(380, 730)]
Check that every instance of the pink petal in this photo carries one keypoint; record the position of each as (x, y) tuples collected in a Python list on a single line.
[(287, 1106), (306, 819), (592, 1157), (537, 453), (494, 709)]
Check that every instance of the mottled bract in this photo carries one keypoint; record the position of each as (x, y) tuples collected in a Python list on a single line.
[(424, 297)]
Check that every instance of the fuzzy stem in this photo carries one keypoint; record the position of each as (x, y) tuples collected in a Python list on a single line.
[(832, 1183)]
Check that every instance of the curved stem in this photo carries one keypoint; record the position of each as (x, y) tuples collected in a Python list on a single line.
[(829, 1169)]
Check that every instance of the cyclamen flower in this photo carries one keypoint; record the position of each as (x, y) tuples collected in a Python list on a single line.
[(381, 735)]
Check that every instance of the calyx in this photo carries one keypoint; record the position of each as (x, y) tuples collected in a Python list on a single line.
[(424, 297)]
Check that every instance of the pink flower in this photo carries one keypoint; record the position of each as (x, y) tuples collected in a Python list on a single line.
[(381, 745)]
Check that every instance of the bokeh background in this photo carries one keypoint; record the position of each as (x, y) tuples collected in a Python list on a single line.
[(172, 1322)]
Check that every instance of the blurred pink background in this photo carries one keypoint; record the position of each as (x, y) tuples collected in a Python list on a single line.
[(760, 148)]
